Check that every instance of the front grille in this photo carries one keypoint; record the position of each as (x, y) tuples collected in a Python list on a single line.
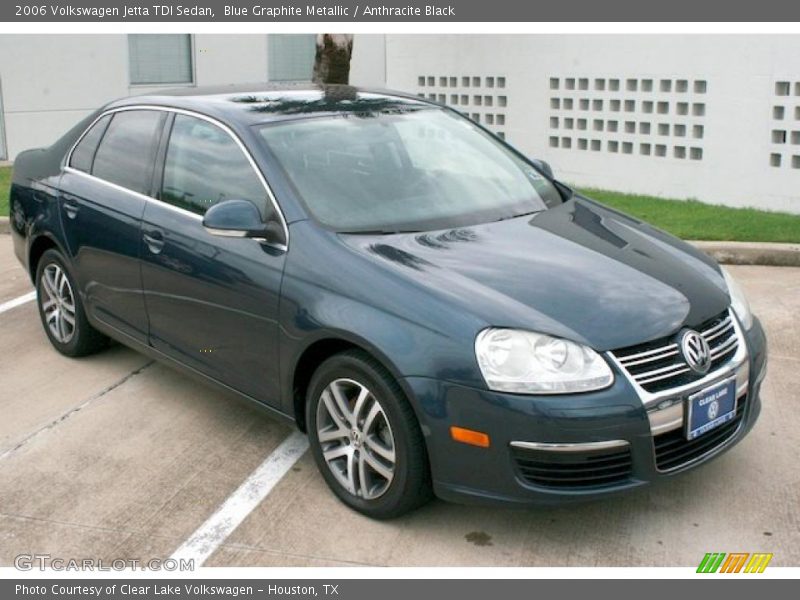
[(659, 365), (673, 449), (573, 470)]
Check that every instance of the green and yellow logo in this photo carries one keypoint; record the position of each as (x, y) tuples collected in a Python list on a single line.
[(735, 562)]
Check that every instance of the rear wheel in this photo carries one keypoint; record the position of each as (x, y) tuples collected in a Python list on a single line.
[(365, 437), (61, 309)]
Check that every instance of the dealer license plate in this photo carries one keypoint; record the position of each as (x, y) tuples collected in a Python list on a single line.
[(710, 408)]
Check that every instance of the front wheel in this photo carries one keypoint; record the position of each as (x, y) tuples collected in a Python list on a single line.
[(365, 437)]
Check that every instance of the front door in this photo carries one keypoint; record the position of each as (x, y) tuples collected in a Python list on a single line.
[(212, 301)]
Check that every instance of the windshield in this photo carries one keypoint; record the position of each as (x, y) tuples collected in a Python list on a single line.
[(404, 171)]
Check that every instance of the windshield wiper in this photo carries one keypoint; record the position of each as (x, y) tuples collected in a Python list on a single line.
[(379, 231), (526, 214)]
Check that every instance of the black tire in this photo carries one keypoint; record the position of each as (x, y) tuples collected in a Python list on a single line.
[(410, 486), (83, 339)]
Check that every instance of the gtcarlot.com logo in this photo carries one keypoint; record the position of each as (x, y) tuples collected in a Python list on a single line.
[(735, 562), (29, 562)]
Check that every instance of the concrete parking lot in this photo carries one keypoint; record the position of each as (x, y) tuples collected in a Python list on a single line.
[(114, 456)]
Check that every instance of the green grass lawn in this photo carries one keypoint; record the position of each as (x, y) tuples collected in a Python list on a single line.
[(688, 219), (692, 220), (5, 185)]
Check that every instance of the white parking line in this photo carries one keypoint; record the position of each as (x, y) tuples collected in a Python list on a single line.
[(207, 538), (17, 301)]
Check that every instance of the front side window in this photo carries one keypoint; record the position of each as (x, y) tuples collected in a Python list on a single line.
[(126, 153), (204, 166), (83, 155), (416, 170), (159, 59)]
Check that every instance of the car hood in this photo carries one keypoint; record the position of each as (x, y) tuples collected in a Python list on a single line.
[(579, 271)]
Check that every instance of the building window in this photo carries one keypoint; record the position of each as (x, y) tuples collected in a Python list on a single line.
[(291, 56), (157, 59)]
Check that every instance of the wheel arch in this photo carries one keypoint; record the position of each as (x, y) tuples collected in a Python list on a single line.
[(318, 351), (38, 245)]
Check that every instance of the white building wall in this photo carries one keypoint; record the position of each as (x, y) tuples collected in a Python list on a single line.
[(368, 64), (730, 161), (50, 82), (224, 59)]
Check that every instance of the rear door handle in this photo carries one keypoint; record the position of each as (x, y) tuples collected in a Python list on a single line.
[(154, 240), (71, 207)]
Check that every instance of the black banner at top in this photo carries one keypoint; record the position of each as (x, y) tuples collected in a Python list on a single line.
[(409, 11)]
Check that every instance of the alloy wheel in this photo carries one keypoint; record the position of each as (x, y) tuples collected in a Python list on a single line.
[(356, 439), (58, 303)]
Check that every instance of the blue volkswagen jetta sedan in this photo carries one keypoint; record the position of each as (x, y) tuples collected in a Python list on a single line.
[(434, 309)]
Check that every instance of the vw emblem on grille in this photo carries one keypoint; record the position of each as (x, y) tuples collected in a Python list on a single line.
[(695, 350)]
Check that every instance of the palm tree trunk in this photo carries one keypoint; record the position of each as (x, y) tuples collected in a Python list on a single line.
[(332, 60)]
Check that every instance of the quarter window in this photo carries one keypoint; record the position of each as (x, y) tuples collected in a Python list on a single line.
[(83, 154), (204, 166), (126, 154)]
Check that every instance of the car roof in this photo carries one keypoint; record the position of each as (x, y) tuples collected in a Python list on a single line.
[(267, 102)]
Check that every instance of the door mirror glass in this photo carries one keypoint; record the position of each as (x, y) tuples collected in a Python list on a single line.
[(235, 218)]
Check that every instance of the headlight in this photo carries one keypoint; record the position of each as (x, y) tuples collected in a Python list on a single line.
[(739, 301), (524, 362)]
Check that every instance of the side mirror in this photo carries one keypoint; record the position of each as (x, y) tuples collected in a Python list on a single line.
[(240, 218), (543, 167)]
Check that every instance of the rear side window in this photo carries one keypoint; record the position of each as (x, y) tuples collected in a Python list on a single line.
[(83, 155), (126, 153), (204, 166)]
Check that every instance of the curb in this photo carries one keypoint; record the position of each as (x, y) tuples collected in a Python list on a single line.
[(752, 253), (726, 253)]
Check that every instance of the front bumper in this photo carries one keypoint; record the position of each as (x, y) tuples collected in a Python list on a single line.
[(632, 445)]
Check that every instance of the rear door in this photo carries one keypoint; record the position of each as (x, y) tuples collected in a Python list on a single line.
[(212, 301), (104, 189)]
